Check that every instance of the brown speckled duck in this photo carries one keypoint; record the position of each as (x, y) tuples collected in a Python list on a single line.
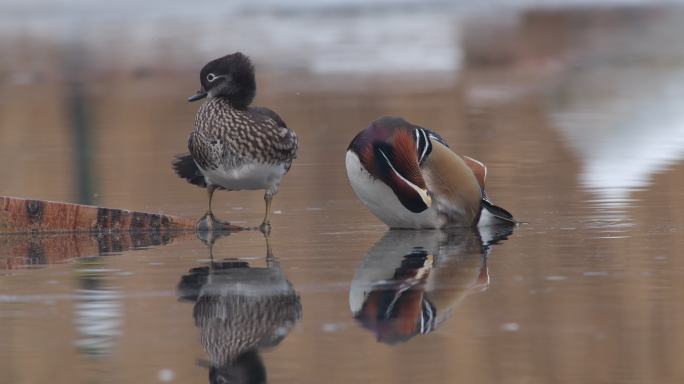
[(240, 310), (235, 146)]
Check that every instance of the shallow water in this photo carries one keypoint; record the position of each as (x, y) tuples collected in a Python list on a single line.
[(574, 111)]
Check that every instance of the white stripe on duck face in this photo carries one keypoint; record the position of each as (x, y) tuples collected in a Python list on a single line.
[(427, 317), (423, 144), (422, 193)]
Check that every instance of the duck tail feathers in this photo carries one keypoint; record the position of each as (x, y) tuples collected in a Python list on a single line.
[(187, 169), (498, 214)]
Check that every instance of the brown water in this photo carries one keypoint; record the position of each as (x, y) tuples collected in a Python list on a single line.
[(576, 112)]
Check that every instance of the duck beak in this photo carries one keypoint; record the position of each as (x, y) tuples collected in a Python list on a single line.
[(201, 94), (403, 175), (427, 199)]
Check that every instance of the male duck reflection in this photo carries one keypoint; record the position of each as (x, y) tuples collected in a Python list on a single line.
[(409, 178), (235, 146), (410, 281), (239, 310)]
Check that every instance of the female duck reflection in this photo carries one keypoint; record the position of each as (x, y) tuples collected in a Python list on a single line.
[(239, 310), (410, 281)]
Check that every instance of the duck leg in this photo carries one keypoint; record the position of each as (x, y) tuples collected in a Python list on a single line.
[(266, 224), (482, 279), (208, 222), (271, 261)]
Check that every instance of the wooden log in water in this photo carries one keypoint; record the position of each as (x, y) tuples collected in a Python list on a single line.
[(19, 215)]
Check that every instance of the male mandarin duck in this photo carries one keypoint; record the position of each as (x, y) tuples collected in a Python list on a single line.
[(409, 178), (410, 282)]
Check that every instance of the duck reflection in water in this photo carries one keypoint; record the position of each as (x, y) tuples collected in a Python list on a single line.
[(411, 281), (240, 310)]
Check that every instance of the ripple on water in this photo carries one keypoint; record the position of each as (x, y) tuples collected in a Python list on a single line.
[(610, 217)]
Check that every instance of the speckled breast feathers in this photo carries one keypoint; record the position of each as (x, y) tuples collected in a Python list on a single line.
[(229, 137)]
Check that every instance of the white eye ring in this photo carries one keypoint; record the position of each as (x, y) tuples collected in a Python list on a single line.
[(211, 77)]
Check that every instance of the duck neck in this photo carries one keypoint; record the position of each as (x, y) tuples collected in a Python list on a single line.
[(227, 101)]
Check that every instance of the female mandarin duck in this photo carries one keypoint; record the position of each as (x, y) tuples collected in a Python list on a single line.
[(235, 146), (409, 178)]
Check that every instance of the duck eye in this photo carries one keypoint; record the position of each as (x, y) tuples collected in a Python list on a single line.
[(211, 77)]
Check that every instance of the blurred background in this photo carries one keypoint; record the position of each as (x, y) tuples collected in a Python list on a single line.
[(575, 107)]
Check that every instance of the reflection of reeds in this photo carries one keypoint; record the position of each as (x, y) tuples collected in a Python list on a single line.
[(98, 310)]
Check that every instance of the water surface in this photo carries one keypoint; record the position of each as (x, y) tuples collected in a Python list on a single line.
[(574, 111)]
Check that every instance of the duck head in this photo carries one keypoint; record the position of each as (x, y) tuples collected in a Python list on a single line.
[(391, 150), (231, 77)]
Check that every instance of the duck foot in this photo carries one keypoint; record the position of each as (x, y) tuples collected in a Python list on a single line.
[(482, 282), (208, 223), (265, 228)]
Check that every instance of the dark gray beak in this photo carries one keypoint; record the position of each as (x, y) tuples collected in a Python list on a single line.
[(201, 94)]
